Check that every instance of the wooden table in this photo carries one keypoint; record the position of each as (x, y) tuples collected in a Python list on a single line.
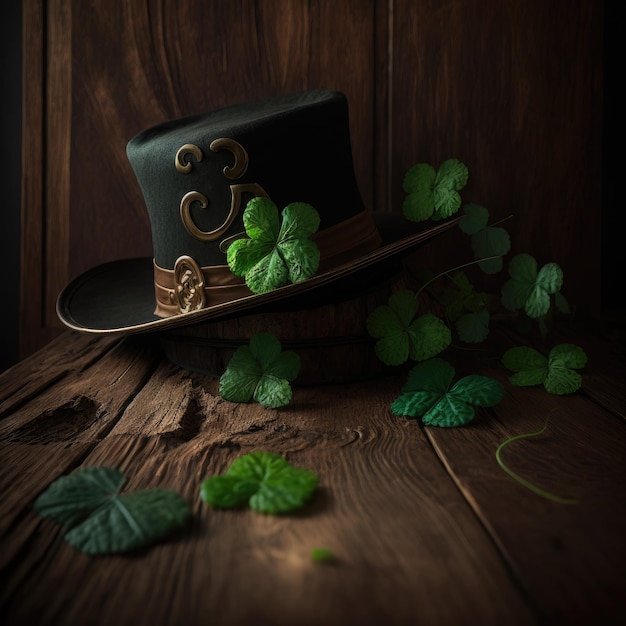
[(426, 528)]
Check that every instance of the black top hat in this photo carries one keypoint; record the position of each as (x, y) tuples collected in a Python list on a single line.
[(197, 174)]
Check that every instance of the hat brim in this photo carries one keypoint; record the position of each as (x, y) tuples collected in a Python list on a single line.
[(118, 297)]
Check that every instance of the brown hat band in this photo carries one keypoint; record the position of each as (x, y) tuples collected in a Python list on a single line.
[(189, 287)]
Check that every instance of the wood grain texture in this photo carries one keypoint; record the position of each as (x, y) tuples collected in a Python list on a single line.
[(58, 155), (582, 455), (425, 526), (408, 545), (331, 340), (33, 332), (514, 90), (26, 379)]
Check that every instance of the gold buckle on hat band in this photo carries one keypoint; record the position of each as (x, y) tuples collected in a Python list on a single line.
[(189, 280), (189, 287)]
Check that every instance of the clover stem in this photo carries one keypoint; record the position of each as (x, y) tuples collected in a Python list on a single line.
[(457, 346), (522, 481), (453, 269), (504, 219)]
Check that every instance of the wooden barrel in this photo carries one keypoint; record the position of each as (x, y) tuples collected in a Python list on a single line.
[(331, 340)]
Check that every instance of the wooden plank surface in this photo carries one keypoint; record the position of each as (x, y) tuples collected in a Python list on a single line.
[(582, 456), (425, 525)]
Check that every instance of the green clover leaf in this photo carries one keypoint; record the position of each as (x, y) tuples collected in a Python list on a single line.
[(487, 241), (467, 309), (402, 335), (427, 394), (531, 289), (428, 336), (275, 254), (264, 480), (556, 372), (473, 327), (433, 194), (101, 521), (461, 297), (475, 218), (260, 371)]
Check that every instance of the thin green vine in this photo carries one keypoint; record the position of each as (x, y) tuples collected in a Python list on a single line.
[(453, 269), (522, 481)]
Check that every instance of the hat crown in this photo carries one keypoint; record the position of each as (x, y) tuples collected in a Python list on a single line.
[(197, 173)]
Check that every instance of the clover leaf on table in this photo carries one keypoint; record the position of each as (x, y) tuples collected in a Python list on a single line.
[(555, 372), (531, 289), (428, 394), (402, 335), (263, 480), (260, 371), (100, 520), (487, 241), (275, 253), (433, 193)]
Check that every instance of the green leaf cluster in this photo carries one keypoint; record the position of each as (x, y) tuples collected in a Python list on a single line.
[(402, 334), (466, 309), (529, 288), (487, 241), (433, 193), (556, 372), (275, 253), (100, 520), (429, 394), (260, 371), (263, 480)]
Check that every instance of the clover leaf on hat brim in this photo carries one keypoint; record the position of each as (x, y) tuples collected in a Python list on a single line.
[(278, 250)]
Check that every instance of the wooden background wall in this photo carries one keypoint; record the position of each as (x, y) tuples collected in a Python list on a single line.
[(511, 87)]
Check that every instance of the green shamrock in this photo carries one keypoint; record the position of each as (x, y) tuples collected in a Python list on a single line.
[(264, 480), (531, 289), (98, 519), (487, 241), (275, 254), (433, 193), (556, 372), (402, 335), (260, 371), (427, 394)]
